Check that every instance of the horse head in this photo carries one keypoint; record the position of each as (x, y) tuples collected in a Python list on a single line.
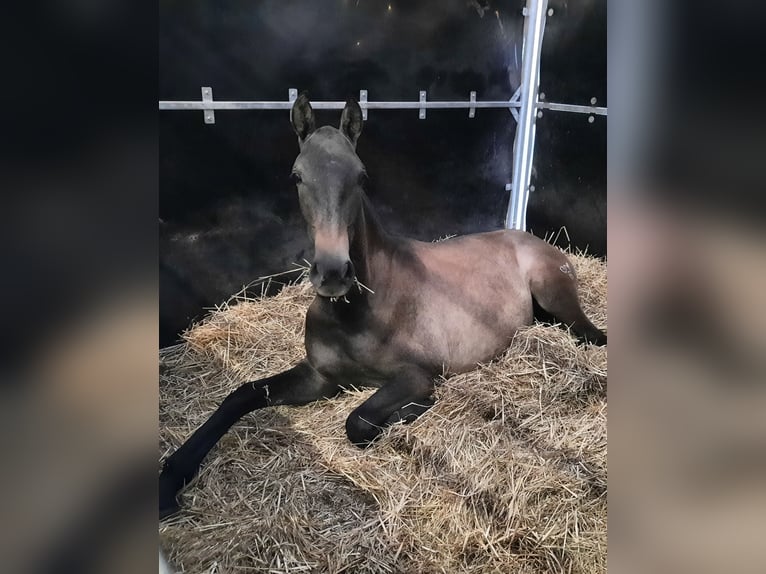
[(330, 178)]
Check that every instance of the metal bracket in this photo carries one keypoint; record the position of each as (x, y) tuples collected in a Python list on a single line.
[(472, 110), (208, 113), (422, 110), (292, 95), (514, 99), (363, 103)]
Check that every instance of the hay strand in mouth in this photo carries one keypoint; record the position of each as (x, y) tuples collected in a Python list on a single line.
[(361, 286), (506, 473)]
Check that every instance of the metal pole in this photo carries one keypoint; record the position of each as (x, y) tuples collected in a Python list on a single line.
[(524, 144), (338, 105)]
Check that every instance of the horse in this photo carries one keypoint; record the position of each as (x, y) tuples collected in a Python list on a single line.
[(389, 312)]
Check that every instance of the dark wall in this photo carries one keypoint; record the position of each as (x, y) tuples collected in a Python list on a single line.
[(228, 211), (569, 171)]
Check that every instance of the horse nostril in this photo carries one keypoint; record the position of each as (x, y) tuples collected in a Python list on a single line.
[(314, 273), (348, 270), (324, 274)]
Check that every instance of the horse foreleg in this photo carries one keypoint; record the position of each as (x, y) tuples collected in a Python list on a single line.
[(297, 386), (404, 398)]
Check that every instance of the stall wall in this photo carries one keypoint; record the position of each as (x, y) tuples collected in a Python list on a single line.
[(228, 213)]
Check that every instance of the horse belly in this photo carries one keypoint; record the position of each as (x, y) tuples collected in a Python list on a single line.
[(459, 334), (474, 298)]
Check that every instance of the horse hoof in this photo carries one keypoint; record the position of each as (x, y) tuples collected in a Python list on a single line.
[(600, 340), (168, 491), (597, 338)]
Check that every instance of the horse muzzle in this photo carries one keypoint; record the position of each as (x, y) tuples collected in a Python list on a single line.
[(332, 277)]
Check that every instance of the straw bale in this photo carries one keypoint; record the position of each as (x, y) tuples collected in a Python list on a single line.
[(506, 473)]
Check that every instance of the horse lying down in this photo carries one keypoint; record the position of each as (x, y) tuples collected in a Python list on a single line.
[(389, 312)]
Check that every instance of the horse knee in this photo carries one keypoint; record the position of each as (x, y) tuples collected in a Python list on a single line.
[(359, 431)]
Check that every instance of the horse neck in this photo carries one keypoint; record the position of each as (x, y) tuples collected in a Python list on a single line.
[(370, 246)]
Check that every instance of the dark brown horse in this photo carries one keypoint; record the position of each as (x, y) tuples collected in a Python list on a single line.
[(389, 312)]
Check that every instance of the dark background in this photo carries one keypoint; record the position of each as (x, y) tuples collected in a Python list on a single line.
[(228, 212)]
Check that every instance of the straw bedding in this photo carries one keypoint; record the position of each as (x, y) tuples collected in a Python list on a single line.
[(506, 473)]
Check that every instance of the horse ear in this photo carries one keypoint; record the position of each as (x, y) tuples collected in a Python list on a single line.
[(351, 120), (302, 117)]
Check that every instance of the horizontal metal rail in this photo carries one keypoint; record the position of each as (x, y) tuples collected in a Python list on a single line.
[(411, 105), (208, 105), (338, 105)]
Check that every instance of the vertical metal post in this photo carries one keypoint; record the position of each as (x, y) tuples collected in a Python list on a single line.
[(524, 144)]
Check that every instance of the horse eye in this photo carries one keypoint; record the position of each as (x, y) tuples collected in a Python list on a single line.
[(296, 178), (363, 180)]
